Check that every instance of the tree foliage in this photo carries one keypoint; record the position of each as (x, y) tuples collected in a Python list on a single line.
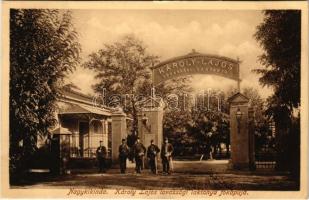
[(279, 36), (256, 102), (123, 70), (43, 49), (200, 126), (203, 125)]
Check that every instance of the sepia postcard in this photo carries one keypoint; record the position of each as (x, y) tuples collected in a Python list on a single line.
[(160, 100)]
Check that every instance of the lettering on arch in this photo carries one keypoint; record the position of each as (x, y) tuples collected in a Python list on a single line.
[(196, 63)]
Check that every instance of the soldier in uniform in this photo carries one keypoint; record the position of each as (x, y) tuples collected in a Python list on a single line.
[(101, 157), (139, 152), (166, 155), (123, 155), (152, 152)]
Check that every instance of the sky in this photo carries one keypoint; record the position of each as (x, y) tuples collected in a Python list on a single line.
[(171, 33)]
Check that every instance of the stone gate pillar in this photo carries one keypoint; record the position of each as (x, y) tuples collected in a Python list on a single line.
[(119, 131), (150, 122), (241, 147)]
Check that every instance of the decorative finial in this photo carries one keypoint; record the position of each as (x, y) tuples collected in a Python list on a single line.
[(238, 60), (192, 52)]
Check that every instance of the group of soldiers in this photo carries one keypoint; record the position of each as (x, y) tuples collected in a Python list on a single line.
[(139, 152)]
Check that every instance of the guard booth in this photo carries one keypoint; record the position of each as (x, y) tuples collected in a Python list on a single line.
[(60, 150)]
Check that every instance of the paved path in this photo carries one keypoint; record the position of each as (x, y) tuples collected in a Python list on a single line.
[(187, 175)]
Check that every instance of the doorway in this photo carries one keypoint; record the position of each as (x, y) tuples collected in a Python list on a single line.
[(83, 131)]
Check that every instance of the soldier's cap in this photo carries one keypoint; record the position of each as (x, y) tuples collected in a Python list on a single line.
[(123, 140), (138, 138), (151, 141), (101, 141)]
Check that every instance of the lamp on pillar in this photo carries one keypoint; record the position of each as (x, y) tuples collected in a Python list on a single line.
[(145, 122), (239, 134), (238, 118)]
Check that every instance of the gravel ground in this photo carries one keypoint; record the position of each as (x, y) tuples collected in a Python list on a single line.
[(187, 175)]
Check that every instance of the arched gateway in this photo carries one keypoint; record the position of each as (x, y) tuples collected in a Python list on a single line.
[(241, 136), (196, 63), (150, 117)]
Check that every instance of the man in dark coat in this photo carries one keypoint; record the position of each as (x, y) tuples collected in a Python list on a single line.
[(166, 155), (152, 152), (139, 153), (123, 155), (101, 157)]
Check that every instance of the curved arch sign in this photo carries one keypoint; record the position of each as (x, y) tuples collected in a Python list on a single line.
[(196, 63)]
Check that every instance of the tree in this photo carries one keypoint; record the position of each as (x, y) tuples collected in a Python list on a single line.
[(280, 37), (191, 127), (122, 68), (43, 49), (256, 102)]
